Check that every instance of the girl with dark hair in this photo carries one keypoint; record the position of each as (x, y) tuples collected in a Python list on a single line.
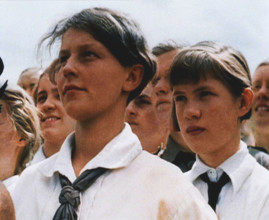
[(101, 171)]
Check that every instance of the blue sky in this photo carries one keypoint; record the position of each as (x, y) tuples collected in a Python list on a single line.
[(242, 24)]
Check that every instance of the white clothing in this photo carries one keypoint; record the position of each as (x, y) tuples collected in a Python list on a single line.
[(138, 186), (11, 182), (38, 157), (246, 196)]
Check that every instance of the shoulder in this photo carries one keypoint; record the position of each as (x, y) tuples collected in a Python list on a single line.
[(175, 193), (34, 176)]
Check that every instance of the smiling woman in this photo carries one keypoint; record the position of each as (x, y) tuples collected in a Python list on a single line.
[(54, 122)]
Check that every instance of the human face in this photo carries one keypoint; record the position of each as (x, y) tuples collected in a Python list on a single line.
[(90, 80), (28, 82), (162, 86), (208, 116), (260, 107), (9, 137), (142, 116), (55, 123)]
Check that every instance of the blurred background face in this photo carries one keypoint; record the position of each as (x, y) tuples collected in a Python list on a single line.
[(260, 107), (28, 81), (141, 114), (162, 87), (55, 123)]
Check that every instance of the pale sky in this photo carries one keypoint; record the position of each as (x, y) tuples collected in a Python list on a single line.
[(242, 24)]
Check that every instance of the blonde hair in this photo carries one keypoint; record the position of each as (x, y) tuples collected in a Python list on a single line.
[(24, 116)]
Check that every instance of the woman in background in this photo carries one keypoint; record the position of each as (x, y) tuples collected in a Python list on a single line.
[(55, 124), (19, 133)]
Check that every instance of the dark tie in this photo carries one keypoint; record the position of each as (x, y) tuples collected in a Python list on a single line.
[(69, 196), (214, 188)]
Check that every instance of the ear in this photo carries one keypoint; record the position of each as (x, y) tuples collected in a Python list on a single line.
[(21, 142), (134, 77), (246, 101)]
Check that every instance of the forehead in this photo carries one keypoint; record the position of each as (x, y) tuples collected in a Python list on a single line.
[(204, 83), (262, 73), (45, 82), (164, 62), (77, 37), (29, 77)]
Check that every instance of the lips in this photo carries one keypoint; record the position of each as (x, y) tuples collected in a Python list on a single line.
[(50, 118), (68, 88), (195, 130), (261, 109), (132, 123)]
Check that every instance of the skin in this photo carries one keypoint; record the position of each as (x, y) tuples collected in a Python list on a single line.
[(142, 115), (11, 144), (208, 116), (55, 123), (164, 92), (93, 87), (162, 86), (260, 107), (7, 211)]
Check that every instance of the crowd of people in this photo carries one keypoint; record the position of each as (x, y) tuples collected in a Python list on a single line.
[(114, 130)]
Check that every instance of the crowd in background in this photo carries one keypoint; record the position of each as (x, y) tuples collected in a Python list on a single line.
[(72, 134)]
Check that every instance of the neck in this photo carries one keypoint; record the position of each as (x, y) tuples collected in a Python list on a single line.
[(50, 148), (261, 138), (215, 159), (91, 137)]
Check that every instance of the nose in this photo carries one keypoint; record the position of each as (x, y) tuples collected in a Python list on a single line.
[(69, 68), (262, 93), (192, 111), (130, 111), (48, 105), (162, 88)]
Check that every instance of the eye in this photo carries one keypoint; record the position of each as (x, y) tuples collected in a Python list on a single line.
[(180, 98), (256, 87), (41, 99), (32, 85), (155, 81), (206, 93), (88, 54), (63, 59)]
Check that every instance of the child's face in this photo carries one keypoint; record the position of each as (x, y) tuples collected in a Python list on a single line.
[(91, 79), (208, 116)]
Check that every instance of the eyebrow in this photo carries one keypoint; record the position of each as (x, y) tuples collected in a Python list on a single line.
[(202, 88), (80, 47)]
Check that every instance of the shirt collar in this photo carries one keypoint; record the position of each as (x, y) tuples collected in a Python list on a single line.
[(237, 167), (118, 153)]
